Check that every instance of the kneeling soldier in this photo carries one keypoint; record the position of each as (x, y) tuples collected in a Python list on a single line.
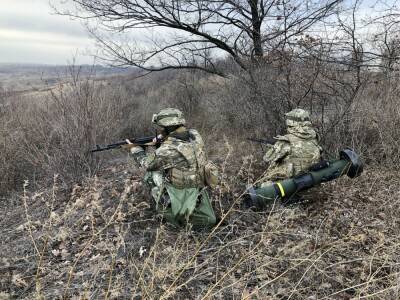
[(176, 172), (294, 152)]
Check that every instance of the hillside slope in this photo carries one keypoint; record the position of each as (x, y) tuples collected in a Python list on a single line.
[(102, 240)]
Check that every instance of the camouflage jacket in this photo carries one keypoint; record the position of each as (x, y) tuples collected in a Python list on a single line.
[(293, 153), (181, 158)]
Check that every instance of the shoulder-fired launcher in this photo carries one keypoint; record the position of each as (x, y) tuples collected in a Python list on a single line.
[(349, 163)]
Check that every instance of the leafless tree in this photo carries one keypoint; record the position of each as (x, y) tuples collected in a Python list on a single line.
[(388, 39), (195, 34), (390, 54)]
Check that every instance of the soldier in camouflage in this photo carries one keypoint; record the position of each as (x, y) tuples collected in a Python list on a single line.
[(294, 152), (175, 172)]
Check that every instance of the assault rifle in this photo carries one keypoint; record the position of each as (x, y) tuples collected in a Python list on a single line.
[(142, 141), (267, 141)]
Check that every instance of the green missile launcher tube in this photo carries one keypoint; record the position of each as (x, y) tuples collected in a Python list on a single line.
[(349, 164)]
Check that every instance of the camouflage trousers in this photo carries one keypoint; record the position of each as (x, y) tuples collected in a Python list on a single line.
[(181, 207)]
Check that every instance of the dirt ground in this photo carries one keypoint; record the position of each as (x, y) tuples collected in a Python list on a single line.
[(102, 239)]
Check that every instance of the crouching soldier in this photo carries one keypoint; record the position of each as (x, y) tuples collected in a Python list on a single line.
[(295, 165), (294, 152), (177, 172)]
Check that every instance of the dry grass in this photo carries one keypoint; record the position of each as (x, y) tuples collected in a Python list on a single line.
[(102, 240), (91, 231)]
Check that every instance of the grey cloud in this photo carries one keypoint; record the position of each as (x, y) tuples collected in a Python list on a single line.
[(16, 52), (50, 24), (30, 34)]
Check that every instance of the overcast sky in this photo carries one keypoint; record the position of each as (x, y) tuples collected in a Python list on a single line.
[(30, 33)]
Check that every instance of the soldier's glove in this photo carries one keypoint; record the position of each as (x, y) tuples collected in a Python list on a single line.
[(158, 138), (136, 150)]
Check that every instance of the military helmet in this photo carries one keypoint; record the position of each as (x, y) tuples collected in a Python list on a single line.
[(169, 117), (298, 117), (298, 114)]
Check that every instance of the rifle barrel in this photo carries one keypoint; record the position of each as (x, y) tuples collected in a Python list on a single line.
[(141, 141)]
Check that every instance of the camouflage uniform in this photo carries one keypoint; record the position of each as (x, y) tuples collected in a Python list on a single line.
[(175, 173), (294, 152)]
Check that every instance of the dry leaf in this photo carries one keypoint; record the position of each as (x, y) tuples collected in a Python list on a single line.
[(64, 253), (18, 281), (5, 296), (142, 251)]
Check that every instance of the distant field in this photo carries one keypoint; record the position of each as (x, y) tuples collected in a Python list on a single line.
[(29, 78)]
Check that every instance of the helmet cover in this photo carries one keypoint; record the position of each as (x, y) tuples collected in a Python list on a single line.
[(169, 117)]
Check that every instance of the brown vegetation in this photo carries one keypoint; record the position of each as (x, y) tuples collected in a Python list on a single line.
[(94, 233), (81, 225), (53, 132), (101, 239)]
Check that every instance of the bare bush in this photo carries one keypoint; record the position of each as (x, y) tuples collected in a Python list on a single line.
[(12, 163), (373, 123), (55, 132)]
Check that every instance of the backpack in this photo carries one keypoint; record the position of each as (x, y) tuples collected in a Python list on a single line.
[(211, 174)]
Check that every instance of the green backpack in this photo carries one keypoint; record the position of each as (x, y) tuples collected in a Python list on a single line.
[(189, 205)]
